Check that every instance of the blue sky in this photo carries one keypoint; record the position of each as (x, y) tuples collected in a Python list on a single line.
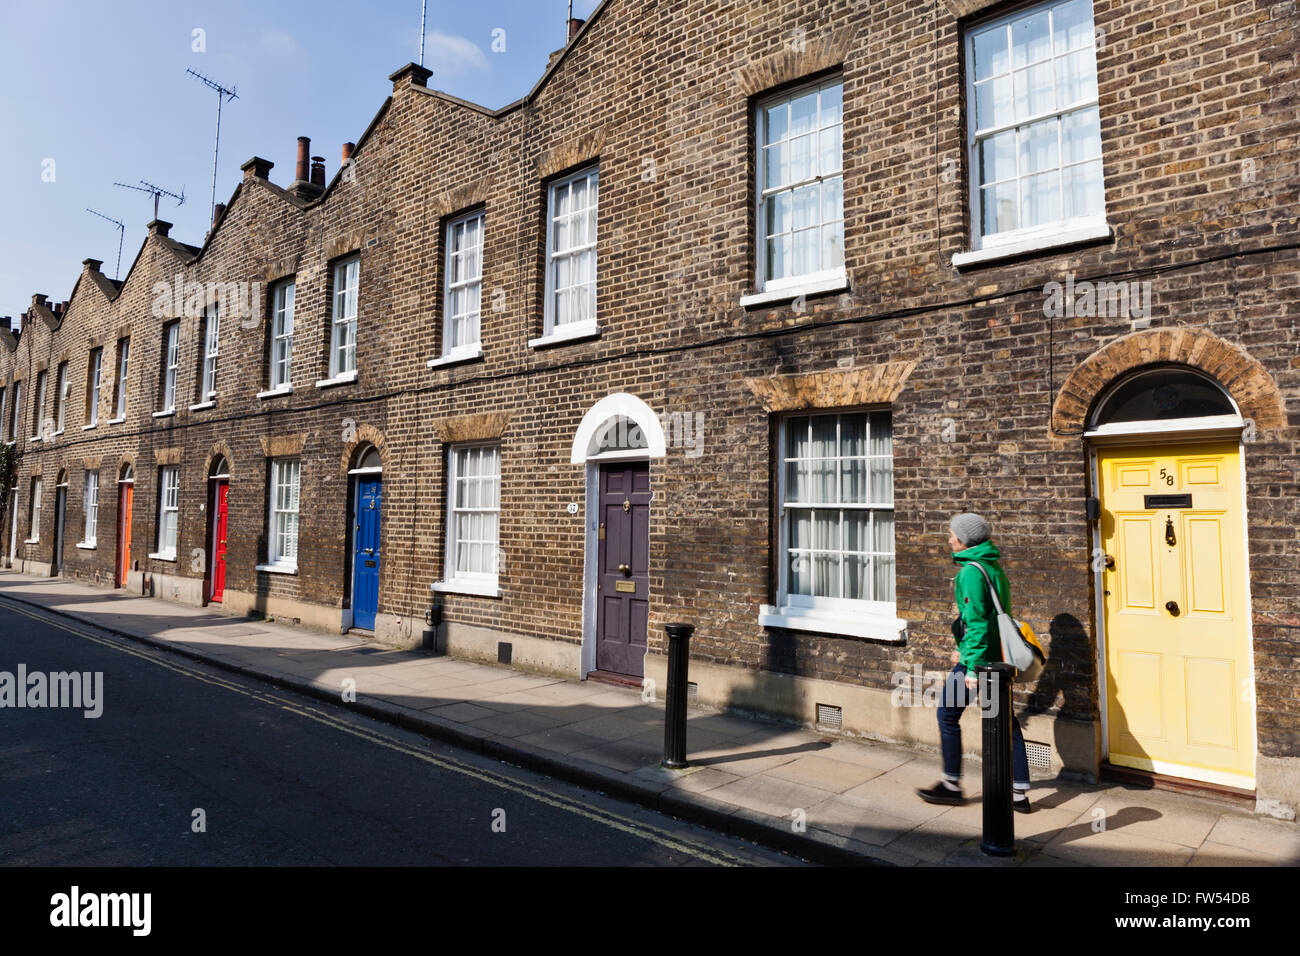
[(92, 92)]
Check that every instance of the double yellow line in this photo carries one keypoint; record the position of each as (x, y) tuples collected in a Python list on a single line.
[(614, 821)]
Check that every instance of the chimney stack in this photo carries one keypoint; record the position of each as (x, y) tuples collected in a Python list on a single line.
[(304, 148), (318, 171), (574, 26), (217, 211), (257, 168), (347, 151)]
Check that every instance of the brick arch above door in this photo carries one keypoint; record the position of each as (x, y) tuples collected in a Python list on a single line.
[(363, 436), (220, 450), (1240, 375)]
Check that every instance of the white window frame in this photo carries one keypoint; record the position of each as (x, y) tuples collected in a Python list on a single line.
[(1046, 235), (123, 360), (171, 363), (343, 321), (42, 379), (34, 514), (551, 330), (4, 410), (16, 418), (90, 509), (475, 582), (851, 616), (278, 556), (473, 285), (280, 377), (61, 388), (95, 372), (828, 278), (169, 501), (211, 355)]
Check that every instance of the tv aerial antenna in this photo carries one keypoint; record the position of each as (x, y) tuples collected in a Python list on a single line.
[(424, 4), (121, 233), (156, 192), (223, 95)]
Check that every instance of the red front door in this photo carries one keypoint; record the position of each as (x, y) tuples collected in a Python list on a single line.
[(219, 542)]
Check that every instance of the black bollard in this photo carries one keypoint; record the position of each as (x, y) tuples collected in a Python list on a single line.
[(679, 638), (999, 835)]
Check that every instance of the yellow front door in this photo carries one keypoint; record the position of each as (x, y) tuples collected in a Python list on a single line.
[(1179, 688)]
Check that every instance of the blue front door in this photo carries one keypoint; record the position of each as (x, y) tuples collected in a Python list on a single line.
[(365, 563)]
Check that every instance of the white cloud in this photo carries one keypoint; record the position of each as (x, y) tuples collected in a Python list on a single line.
[(279, 45), (449, 55)]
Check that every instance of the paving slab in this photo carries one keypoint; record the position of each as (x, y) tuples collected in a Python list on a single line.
[(515, 724), (771, 795), (1258, 837), (462, 711)]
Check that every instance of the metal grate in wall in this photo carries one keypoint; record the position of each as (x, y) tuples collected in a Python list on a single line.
[(692, 690), (828, 715), (1039, 755)]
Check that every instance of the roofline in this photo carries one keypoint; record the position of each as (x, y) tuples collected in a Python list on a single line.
[(531, 95), (190, 255)]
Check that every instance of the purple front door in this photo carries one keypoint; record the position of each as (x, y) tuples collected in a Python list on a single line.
[(623, 575)]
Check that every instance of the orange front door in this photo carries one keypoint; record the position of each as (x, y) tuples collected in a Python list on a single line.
[(219, 542), (124, 495)]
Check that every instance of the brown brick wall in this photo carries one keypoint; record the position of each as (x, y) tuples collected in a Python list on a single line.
[(1199, 127)]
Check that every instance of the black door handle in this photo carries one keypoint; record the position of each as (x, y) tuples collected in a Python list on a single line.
[(1172, 607)]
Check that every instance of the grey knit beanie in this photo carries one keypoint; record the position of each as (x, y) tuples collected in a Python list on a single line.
[(970, 529)]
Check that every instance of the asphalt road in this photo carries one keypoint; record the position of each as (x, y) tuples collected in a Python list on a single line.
[(276, 778)]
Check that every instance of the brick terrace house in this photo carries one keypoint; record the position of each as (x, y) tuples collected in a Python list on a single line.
[(721, 322)]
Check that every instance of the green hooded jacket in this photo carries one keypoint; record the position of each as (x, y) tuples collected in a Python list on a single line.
[(981, 643)]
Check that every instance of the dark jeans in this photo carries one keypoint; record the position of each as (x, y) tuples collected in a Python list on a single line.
[(955, 698)]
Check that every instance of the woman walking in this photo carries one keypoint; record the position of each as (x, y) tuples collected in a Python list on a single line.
[(976, 633)]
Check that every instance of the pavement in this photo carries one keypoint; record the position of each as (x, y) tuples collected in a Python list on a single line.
[(827, 798)]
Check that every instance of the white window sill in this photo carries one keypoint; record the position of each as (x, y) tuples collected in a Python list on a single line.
[(86, 545), (35, 438), (813, 286), (32, 541), (163, 556), (343, 379), (167, 414), (117, 421), (86, 428), (457, 355), (572, 332), (200, 406), (276, 392), (1041, 242), (891, 630), (277, 568), (464, 586)]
